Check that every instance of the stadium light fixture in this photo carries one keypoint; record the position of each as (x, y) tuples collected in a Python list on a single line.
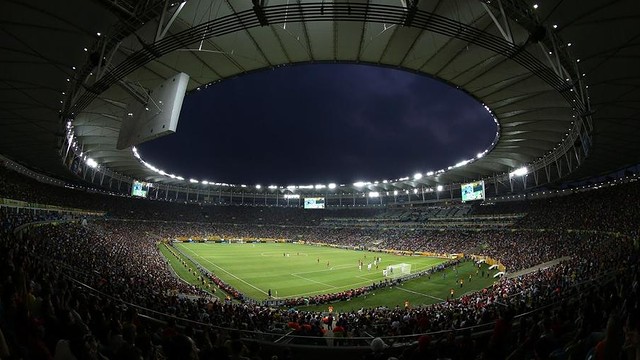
[(480, 155), (519, 172), (359, 183), (415, 191), (417, 176), (439, 188), (332, 186), (258, 186), (179, 178), (374, 194), (91, 163), (395, 192), (430, 173), (205, 182), (320, 186), (193, 181), (272, 187)]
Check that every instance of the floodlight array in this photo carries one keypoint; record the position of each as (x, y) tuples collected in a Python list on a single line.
[(519, 172)]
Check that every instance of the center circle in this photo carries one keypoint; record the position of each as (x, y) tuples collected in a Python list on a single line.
[(322, 123)]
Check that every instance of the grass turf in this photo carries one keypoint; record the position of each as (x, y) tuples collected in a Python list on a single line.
[(254, 269), (183, 270)]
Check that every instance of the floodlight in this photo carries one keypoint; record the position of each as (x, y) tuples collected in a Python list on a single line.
[(193, 181), (91, 163), (179, 178), (205, 182), (332, 186), (291, 187), (374, 194), (320, 186), (417, 176), (395, 192), (415, 191), (273, 187), (430, 173), (519, 172), (439, 188), (359, 184), (480, 155), (258, 187)]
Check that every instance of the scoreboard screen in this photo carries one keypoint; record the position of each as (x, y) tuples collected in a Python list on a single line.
[(314, 203), (139, 189), (472, 191)]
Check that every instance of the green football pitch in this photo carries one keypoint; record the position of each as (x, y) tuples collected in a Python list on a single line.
[(296, 270)]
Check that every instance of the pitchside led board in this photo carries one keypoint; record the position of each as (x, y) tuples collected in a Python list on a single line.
[(158, 117), (472, 191), (314, 203), (139, 189)]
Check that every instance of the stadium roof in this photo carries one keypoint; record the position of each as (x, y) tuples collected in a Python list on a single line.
[(561, 78)]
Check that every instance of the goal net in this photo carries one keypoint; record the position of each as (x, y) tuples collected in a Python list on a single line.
[(397, 270)]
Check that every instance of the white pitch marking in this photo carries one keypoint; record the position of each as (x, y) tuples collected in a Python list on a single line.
[(230, 274), (315, 281), (417, 293)]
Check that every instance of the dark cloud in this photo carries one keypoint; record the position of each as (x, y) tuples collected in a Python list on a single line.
[(322, 123)]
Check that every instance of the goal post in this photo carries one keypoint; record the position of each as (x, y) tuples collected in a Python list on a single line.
[(394, 271)]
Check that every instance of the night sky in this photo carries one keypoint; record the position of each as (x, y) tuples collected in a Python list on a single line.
[(322, 123)]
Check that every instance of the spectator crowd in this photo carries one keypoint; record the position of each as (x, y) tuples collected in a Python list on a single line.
[(74, 290)]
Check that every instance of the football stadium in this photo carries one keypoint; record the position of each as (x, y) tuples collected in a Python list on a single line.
[(524, 249)]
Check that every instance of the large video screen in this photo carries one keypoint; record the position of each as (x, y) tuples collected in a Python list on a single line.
[(314, 203), (139, 189), (472, 191)]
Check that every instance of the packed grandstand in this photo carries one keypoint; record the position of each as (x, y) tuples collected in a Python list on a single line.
[(98, 272)]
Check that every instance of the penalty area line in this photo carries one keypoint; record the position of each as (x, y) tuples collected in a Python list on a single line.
[(315, 281), (417, 293)]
